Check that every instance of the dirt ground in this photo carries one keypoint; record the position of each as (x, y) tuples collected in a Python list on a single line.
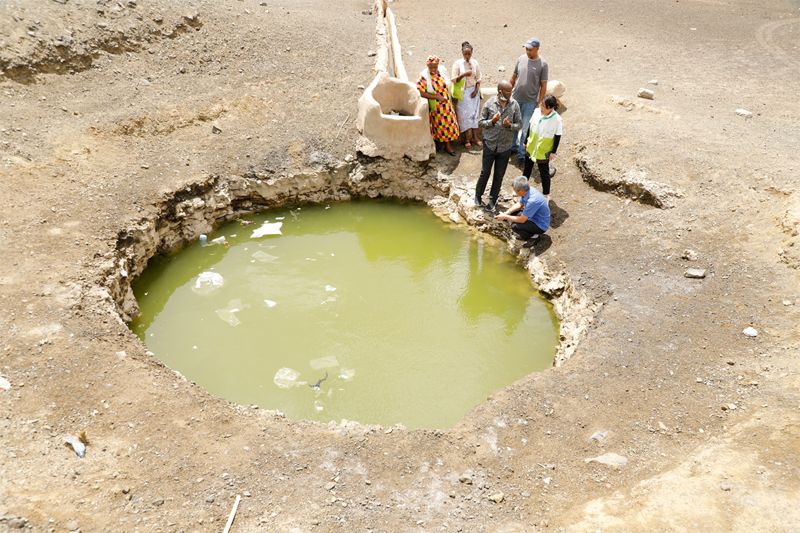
[(109, 106)]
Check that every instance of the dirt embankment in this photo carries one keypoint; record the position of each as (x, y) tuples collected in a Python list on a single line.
[(107, 112)]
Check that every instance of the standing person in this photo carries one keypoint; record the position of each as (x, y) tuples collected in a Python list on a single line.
[(468, 107), (432, 84), (500, 120), (530, 83), (535, 217), (545, 135)]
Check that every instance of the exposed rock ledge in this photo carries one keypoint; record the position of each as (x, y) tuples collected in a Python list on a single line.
[(632, 183)]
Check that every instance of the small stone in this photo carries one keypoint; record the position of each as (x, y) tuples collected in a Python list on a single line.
[(725, 486), (210, 499), (387, 430), (744, 113), (729, 407), (72, 525), (372, 53), (497, 497), (361, 87), (466, 477), (652, 82), (246, 494), (787, 303), (330, 485), (501, 69), (695, 273), (689, 255), (646, 94), (19, 523), (145, 167), (662, 425), (610, 459), (158, 502), (750, 331), (215, 130)]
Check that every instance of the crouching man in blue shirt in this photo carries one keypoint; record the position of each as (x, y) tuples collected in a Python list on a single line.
[(535, 217)]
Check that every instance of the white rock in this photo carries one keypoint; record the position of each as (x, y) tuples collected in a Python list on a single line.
[(556, 88), (610, 459), (4, 384), (750, 331), (501, 69), (695, 273), (646, 93), (744, 113), (653, 82)]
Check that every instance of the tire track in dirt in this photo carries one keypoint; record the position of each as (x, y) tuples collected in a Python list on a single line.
[(766, 37)]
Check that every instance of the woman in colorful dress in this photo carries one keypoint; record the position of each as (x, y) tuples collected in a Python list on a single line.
[(432, 84), (468, 107)]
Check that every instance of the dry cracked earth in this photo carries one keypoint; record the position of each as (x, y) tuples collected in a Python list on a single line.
[(107, 108)]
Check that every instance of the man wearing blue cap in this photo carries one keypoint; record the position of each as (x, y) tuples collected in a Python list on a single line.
[(530, 85)]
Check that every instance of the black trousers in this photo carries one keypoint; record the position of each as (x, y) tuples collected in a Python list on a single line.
[(544, 172), (500, 162), (526, 230)]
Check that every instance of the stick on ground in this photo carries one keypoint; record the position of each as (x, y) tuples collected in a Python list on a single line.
[(232, 515)]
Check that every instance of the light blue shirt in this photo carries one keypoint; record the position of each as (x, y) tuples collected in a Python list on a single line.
[(534, 206)]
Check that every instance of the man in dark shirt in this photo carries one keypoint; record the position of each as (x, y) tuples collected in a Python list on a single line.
[(500, 120), (529, 81)]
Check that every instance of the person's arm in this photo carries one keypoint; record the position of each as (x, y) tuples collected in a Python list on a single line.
[(552, 154), (514, 76), (516, 118), (543, 77), (542, 91), (422, 85), (511, 217), (486, 120), (477, 75)]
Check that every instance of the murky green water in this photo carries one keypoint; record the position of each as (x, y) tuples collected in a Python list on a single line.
[(402, 318)]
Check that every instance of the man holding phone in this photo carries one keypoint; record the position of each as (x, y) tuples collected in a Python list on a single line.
[(501, 121)]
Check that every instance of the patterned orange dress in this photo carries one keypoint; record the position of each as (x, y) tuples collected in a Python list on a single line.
[(444, 124)]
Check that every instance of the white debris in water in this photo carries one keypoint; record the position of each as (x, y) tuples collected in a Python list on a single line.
[(750, 331), (328, 300), (267, 228), (208, 282), (318, 406), (347, 374), (219, 240), (280, 218), (270, 303), (330, 288), (264, 257), (329, 361), (4, 384), (286, 378), (228, 314)]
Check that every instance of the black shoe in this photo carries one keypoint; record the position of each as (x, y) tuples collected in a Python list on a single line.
[(478, 201), (531, 242), (492, 205), (552, 171)]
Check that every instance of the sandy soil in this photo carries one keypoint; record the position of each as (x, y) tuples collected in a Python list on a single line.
[(92, 138)]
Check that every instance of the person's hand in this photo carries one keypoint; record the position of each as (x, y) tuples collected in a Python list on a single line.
[(506, 122), (552, 156), (441, 98), (467, 74), (501, 216), (475, 92), (495, 118)]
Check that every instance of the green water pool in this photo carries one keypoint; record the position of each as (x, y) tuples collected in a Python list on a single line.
[(370, 311)]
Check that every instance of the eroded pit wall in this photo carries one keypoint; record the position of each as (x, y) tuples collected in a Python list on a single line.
[(392, 118), (200, 207)]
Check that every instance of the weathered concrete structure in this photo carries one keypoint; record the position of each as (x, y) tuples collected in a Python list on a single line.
[(392, 118)]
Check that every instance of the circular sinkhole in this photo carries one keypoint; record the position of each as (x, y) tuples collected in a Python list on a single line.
[(371, 311)]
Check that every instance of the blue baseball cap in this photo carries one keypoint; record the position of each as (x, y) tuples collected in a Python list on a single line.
[(533, 42)]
